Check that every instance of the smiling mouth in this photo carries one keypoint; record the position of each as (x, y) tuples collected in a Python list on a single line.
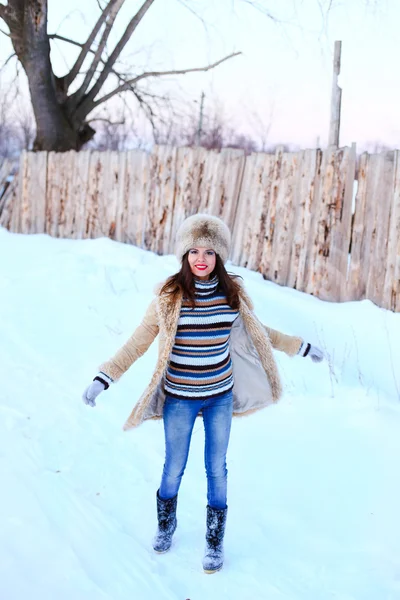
[(201, 267)]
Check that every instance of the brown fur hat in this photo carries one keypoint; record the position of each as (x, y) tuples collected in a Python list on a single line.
[(203, 231)]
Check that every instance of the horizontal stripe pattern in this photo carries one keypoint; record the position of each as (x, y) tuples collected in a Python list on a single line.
[(200, 364)]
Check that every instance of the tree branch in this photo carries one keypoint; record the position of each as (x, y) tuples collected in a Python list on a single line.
[(7, 60), (106, 121), (99, 52), (69, 78), (127, 85), (149, 112), (133, 23), (194, 13), (56, 36), (258, 5)]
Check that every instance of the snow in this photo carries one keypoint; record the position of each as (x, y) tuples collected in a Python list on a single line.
[(313, 480)]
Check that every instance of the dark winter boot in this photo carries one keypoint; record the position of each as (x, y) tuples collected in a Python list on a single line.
[(166, 513), (214, 554)]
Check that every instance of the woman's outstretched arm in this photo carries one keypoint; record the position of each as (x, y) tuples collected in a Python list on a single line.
[(285, 343), (293, 345)]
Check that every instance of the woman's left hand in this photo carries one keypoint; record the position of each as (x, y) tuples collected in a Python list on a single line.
[(315, 354)]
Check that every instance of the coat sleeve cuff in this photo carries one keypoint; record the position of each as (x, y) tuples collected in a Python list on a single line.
[(304, 349), (104, 378)]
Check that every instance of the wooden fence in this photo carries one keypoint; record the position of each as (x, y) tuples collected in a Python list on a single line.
[(294, 216)]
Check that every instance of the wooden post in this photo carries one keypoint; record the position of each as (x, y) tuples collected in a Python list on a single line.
[(336, 99)]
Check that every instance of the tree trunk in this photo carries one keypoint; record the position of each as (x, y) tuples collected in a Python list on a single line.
[(55, 130)]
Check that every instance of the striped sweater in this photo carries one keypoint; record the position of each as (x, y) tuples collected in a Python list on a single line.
[(200, 364)]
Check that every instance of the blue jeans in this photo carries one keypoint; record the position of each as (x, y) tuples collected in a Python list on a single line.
[(179, 419)]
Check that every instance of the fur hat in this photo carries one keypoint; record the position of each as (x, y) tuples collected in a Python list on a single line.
[(203, 231)]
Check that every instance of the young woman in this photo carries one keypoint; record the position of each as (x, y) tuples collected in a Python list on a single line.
[(215, 358)]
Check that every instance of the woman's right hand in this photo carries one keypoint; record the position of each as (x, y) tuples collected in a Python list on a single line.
[(92, 391)]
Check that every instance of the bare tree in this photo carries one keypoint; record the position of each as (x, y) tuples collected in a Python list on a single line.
[(61, 115), (25, 126), (9, 139), (112, 134), (17, 123), (217, 131)]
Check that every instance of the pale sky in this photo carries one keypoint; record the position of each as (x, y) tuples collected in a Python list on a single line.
[(285, 73)]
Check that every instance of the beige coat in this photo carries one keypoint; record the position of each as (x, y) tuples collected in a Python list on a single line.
[(256, 377)]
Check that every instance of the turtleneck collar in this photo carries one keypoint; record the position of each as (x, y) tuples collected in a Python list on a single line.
[(205, 287)]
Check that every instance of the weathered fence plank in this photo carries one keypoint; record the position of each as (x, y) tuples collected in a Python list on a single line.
[(391, 293), (375, 201), (30, 216), (220, 185), (358, 261), (160, 199), (104, 183), (78, 196), (59, 210), (370, 215), (249, 228), (341, 238), (189, 172), (331, 232), (378, 212), (304, 211), (96, 226), (276, 251), (132, 202)]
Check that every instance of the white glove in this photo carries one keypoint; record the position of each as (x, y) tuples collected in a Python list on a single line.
[(91, 392), (313, 352)]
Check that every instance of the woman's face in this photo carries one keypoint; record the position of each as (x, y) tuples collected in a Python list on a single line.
[(202, 262)]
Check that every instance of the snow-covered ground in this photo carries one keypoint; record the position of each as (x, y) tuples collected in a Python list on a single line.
[(313, 481)]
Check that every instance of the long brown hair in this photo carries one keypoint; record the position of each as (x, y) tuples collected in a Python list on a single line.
[(183, 281)]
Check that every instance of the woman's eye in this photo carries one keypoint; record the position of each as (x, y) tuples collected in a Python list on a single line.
[(210, 252), (193, 252)]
